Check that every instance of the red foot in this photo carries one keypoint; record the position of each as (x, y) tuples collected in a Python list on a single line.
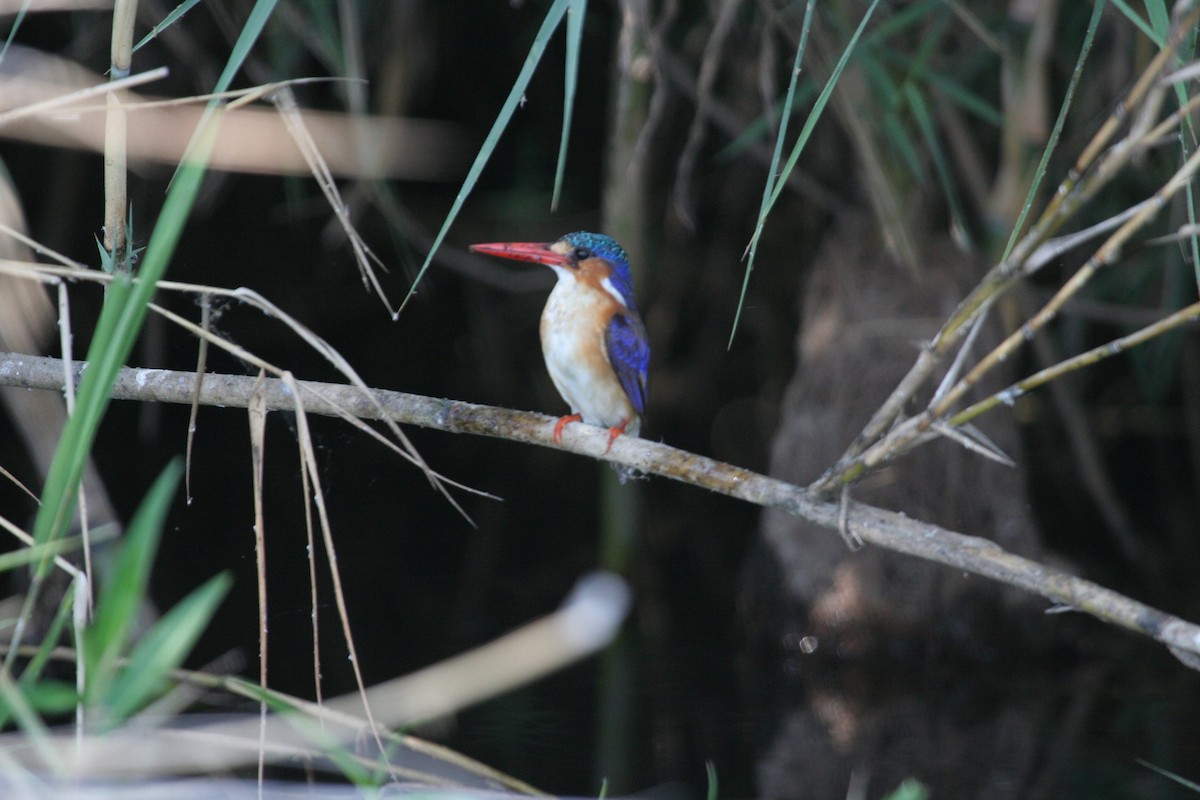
[(562, 423), (614, 432)]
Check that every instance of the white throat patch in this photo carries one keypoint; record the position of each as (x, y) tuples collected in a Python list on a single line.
[(608, 287)]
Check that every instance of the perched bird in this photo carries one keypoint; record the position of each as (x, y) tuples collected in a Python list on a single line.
[(593, 340)]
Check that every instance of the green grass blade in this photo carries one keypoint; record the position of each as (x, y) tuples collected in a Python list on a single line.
[(1140, 23), (930, 39), (1048, 150), (1160, 20), (1184, 782), (818, 109), (776, 184), (345, 760), (941, 166), (163, 649), (966, 99), (62, 481), (169, 20), (16, 26), (52, 698), (761, 127), (769, 186), (14, 703), (251, 30), (574, 36), (713, 789), (33, 670), (902, 19), (910, 789), (549, 25), (880, 79), (117, 606), (898, 137), (1193, 240), (120, 321), (248, 36)]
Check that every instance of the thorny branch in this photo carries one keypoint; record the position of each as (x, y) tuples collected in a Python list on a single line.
[(886, 529)]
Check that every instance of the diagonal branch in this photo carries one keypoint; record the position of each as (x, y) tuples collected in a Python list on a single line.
[(882, 528)]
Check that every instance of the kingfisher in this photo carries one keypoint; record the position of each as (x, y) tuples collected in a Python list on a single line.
[(593, 339)]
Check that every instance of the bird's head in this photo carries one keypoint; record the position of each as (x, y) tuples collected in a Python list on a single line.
[(591, 258)]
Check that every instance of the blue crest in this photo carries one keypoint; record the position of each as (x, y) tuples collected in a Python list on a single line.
[(611, 251)]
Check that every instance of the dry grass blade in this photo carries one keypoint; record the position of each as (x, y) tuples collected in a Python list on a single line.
[(366, 259), (258, 454), (309, 465), (13, 479), (402, 448), (973, 440), (24, 538), (310, 541), (74, 271), (309, 469), (400, 444)]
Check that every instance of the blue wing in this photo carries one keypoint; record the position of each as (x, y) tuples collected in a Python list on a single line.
[(629, 354)]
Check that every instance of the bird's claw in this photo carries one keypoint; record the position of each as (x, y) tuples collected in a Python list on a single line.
[(613, 433), (562, 423)]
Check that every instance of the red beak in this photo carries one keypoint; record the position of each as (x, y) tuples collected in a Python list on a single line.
[(537, 252)]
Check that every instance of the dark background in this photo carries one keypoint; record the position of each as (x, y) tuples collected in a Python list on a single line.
[(709, 681)]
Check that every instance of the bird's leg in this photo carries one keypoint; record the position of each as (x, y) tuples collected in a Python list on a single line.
[(562, 423), (614, 432)]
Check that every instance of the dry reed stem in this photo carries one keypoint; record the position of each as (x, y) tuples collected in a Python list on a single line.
[(882, 439), (116, 137), (912, 432)]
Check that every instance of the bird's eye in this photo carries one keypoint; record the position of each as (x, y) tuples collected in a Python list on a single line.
[(582, 254)]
